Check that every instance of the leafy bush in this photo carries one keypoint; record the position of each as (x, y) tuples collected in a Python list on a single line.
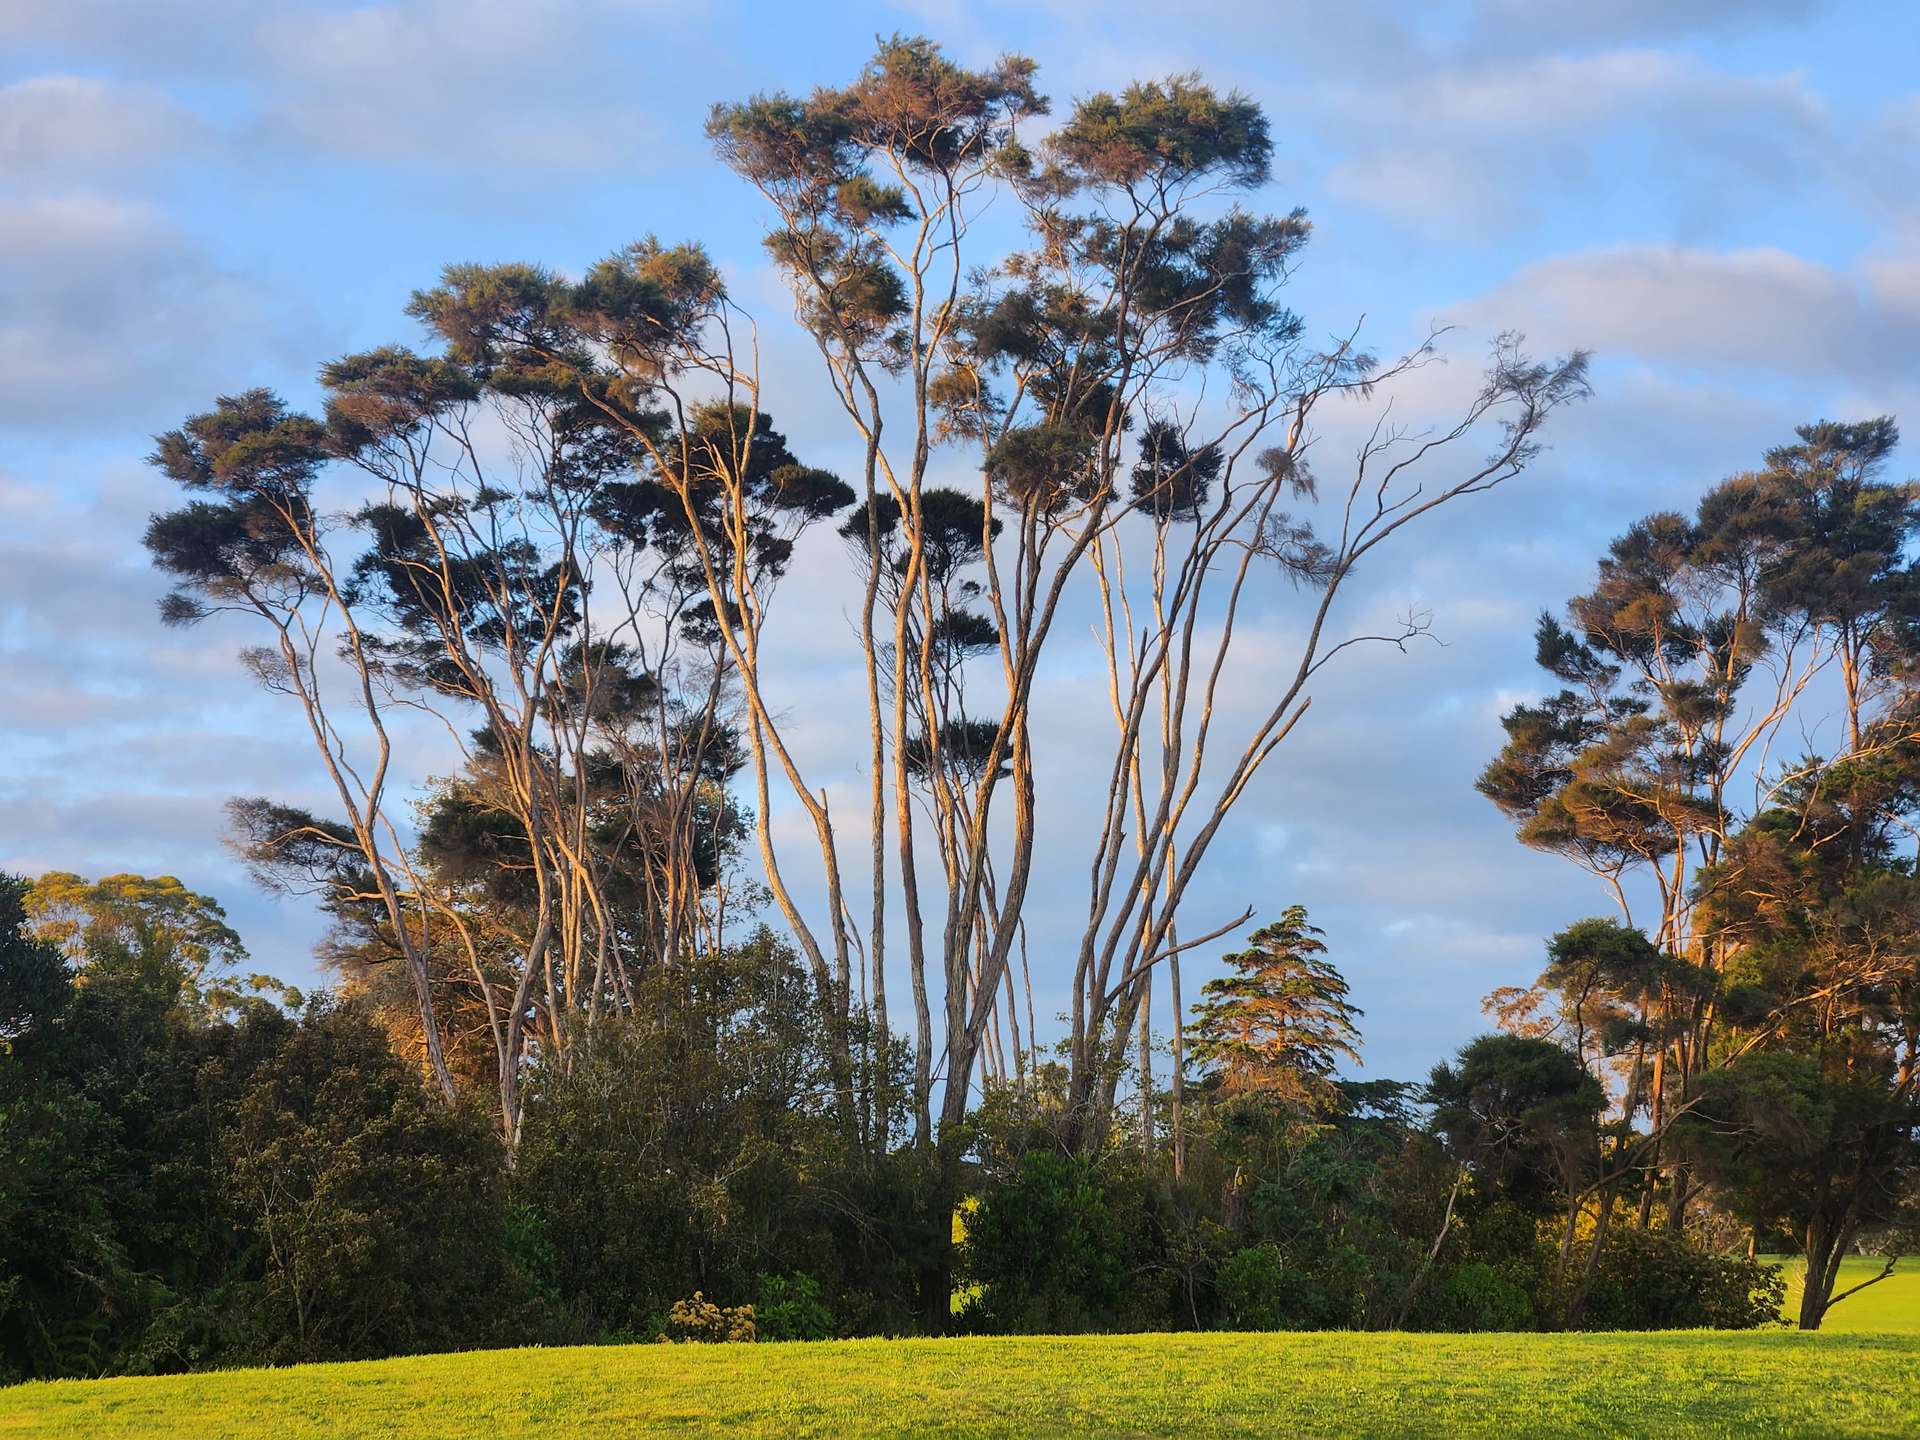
[(1260, 1290), (1479, 1297), (1647, 1280), (1045, 1249), (690, 1140), (789, 1308), (378, 1210), (701, 1322)]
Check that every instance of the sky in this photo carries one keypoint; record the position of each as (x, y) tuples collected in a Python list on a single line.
[(1721, 198)]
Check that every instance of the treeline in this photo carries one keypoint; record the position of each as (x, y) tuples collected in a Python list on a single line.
[(196, 1172)]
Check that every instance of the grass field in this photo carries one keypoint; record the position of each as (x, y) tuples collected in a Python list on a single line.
[(1670, 1385)]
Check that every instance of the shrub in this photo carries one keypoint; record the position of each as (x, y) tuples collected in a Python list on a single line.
[(789, 1308), (701, 1322), (378, 1211), (1254, 1289), (1479, 1297), (1648, 1280), (1045, 1249)]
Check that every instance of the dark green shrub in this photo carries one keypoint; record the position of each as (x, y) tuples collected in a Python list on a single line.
[(378, 1211), (1260, 1290), (789, 1308), (690, 1146), (1479, 1297), (1045, 1249), (1647, 1280)]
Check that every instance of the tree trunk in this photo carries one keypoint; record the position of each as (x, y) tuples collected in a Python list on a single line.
[(1146, 1075), (1179, 1069), (935, 1278), (1818, 1286)]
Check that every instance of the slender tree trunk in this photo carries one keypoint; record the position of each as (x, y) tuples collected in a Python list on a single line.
[(1179, 1067), (1146, 1072)]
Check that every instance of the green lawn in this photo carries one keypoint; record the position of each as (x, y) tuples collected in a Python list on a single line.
[(1891, 1307), (1776, 1383)]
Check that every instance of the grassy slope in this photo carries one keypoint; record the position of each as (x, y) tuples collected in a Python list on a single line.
[(1671, 1385)]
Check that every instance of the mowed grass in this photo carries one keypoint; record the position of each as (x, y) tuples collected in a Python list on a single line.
[(1888, 1307), (1675, 1384)]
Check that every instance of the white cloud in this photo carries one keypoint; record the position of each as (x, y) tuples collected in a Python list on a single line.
[(108, 311), (61, 127), (1477, 149), (1752, 310)]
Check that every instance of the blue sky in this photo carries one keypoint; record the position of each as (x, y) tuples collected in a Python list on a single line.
[(1721, 199)]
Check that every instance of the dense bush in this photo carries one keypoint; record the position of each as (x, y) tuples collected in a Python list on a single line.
[(1046, 1249), (788, 1307), (692, 1147), (1260, 1290), (1479, 1297), (183, 1186), (1647, 1280), (375, 1211), (701, 1322)]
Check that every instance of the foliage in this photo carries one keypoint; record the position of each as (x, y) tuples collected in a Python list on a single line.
[(701, 1322), (376, 1211), (1479, 1297), (1761, 1039), (788, 1307), (692, 1142), (1260, 1290), (1047, 1250), (1519, 1111), (1649, 1281), (179, 1188), (125, 913)]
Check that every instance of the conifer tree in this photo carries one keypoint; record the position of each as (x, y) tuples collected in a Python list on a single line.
[(1280, 1024)]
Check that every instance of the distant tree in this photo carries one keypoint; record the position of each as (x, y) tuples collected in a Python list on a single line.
[(1281, 1024), (130, 913)]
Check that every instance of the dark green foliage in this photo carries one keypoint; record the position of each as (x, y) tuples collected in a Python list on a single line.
[(374, 1212), (1048, 1249), (180, 1189), (1520, 1111), (1477, 1296), (691, 1147), (1826, 1153), (1649, 1281), (789, 1308), (1260, 1290)]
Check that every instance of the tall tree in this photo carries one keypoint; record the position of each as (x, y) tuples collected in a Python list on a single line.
[(1139, 279), (1701, 641)]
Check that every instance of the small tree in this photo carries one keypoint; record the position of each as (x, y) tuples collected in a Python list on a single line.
[(1281, 1023)]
